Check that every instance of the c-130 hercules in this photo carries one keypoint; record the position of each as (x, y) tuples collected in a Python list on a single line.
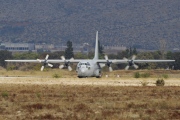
[(89, 68)]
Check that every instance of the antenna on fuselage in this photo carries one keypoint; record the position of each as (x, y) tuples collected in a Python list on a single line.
[(96, 53)]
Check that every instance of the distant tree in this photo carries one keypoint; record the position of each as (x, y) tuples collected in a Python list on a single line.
[(157, 55), (40, 50), (176, 57), (127, 53), (112, 56), (3, 56), (170, 55), (56, 55), (69, 50), (101, 50), (130, 52), (162, 46), (26, 55), (143, 56), (134, 51), (80, 55), (123, 54), (90, 55)]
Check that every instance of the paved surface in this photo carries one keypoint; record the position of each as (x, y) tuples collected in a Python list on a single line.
[(87, 81)]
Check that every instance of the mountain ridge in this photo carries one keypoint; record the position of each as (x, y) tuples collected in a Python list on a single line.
[(140, 24)]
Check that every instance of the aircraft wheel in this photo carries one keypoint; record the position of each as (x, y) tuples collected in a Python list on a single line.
[(99, 76)]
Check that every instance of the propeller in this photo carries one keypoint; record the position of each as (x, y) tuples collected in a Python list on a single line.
[(66, 64), (45, 62), (131, 62), (108, 63)]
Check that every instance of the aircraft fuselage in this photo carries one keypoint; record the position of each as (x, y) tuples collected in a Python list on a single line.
[(88, 69)]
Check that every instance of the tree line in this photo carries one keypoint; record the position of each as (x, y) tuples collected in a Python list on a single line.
[(68, 53), (56, 55)]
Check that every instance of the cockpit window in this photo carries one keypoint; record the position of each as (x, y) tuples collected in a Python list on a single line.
[(87, 64)]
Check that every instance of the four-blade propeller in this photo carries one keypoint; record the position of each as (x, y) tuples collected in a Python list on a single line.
[(108, 63), (131, 62), (45, 62), (66, 64)]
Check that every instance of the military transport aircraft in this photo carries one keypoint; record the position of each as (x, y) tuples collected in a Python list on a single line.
[(89, 68)]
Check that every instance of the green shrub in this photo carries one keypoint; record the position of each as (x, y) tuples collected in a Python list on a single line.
[(136, 75), (165, 76), (145, 75), (56, 75), (4, 94), (160, 82), (38, 95), (11, 67)]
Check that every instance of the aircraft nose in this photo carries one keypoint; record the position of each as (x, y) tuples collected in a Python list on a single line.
[(83, 70)]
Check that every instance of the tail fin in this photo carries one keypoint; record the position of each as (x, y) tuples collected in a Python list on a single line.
[(96, 54)]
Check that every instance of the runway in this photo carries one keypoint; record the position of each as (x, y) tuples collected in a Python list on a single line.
[(39, 80)]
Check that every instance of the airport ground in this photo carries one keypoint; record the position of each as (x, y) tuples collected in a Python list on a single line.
[(59, 94)]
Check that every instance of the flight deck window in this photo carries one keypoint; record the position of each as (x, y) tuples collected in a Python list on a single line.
[(88, 64)]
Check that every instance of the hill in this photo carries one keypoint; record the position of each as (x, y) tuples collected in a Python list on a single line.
[(138, 23)]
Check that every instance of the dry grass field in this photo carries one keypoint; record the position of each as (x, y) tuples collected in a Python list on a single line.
[(72, 74), (33, 100), (88, 102)]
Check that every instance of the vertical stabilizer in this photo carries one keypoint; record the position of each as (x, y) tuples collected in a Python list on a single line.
[(96, 54)]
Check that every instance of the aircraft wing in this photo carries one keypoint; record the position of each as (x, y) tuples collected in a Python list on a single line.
[(98, 61), (148, 61), (48, 62), (112, 61), (135, 61), (42, 60), (32, 61)]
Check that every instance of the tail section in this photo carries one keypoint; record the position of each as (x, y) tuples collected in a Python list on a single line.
[(96, 54)]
